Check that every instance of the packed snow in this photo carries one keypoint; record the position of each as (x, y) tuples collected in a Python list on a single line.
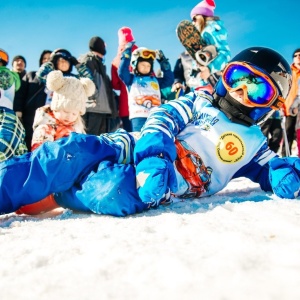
[(241, 243)]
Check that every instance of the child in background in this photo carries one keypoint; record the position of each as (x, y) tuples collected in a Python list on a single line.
[(144, 87), (125, 36), (58, 120), (213, 33), (63, 115), (62, 60), (12, 133)]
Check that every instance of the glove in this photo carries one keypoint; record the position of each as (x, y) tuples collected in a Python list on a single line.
[(74, 61), (155, 179), (160, 55), (284, 176)]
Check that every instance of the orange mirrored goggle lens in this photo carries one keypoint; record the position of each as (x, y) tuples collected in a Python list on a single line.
[(148, 54), (260, 89)]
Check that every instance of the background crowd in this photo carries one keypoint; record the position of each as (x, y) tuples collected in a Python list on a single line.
[(122, 97)]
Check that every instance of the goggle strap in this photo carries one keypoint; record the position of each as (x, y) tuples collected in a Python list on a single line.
[(278, 103)]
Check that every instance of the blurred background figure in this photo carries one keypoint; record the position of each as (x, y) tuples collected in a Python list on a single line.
[(125, 36), (19, 65), (102, 111), (30, 97), (290, 121), (213, 33)]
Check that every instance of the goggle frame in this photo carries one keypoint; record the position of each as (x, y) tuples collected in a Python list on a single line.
[(276, 102)]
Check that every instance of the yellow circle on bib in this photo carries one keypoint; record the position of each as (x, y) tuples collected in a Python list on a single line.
[(230, 148), (154, 85)]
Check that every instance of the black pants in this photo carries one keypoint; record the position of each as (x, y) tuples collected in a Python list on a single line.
[(272, 129), (290, 124)]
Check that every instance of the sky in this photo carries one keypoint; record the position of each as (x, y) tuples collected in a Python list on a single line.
[(30, 26), (241, 243)]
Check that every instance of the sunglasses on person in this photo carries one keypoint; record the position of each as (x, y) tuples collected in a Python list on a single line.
[(297, 54), (259, 89), (146, 54)]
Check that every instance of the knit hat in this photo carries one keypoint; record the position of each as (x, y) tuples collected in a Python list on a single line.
[(69, 92), (125, 35), (296, 51), (19, 57), (97, 44), (204, 8), (4, 58)]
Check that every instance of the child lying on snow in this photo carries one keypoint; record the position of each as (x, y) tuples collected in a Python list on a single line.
[(190, 147)]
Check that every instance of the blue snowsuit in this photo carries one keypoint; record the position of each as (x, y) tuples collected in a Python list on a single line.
[(187, 146), (87, 173)]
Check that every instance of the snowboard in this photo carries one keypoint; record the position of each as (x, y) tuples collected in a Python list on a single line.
[(191, 39)]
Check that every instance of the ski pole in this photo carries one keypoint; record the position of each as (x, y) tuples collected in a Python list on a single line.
[(286, 143)]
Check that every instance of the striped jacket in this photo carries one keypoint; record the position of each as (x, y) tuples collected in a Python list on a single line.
[(12, 135)]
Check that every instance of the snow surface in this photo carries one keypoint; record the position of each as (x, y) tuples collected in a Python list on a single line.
[(241, 244)]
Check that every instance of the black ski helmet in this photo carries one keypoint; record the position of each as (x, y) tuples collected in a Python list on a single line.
[(274, 65), (63, 53)]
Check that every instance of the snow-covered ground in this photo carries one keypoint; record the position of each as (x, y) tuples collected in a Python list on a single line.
[(239, 244)]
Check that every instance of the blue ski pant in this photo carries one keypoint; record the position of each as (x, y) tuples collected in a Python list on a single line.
[(81, 170)]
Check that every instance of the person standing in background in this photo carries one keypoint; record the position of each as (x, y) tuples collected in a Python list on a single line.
[(19, 65), (125, 36), (272, 129), (12, 133), (143, 85), (290, 121), (185, 73), (102, 107), (213, 33), (30, 97)]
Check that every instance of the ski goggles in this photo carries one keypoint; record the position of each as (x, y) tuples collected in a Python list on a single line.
[(259, 89), (3, 56), (146, 54)]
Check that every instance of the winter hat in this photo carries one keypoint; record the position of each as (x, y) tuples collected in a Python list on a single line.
[(4, 58), (69, 92), (61, 53), (204, 8), (296, 51), (125, 35), (19, 57), (97, 44)]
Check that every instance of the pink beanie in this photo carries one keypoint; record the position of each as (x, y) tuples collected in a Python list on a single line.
[(204, 8), (125, 35)]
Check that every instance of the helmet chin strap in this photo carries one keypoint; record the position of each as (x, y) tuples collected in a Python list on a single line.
[(235, 111)]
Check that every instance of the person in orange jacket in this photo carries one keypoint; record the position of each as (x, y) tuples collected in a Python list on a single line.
[(290, 122)]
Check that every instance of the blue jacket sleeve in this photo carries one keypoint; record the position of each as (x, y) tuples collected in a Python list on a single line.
[(162, 126), (123, 70), (168, 76)]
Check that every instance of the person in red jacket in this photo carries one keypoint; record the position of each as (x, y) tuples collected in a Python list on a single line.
[(125, 36)]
